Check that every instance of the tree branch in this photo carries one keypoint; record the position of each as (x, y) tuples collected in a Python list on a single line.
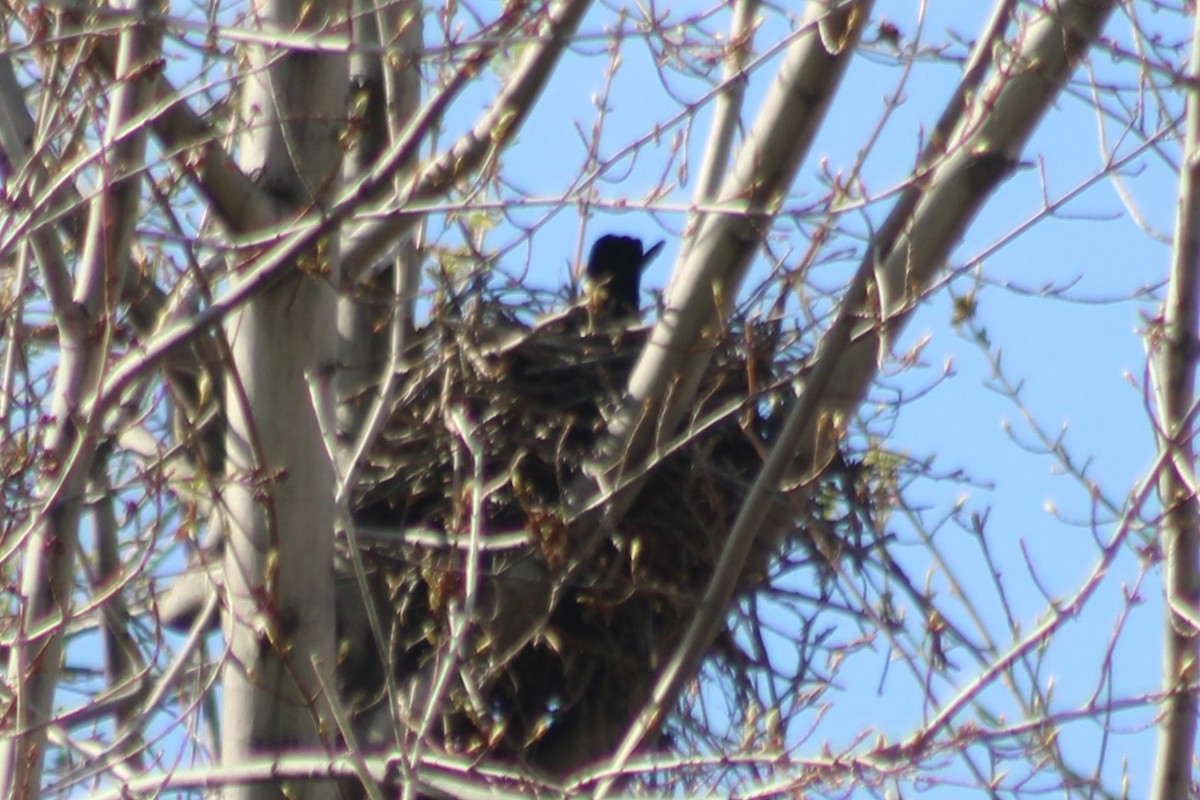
[(885, 292), (85, 326), (1180, 529)]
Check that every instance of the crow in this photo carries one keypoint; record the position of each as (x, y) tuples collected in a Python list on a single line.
[(614, 274)]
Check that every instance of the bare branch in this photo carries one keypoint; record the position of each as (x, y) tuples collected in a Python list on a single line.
[(704, 287), (1175, 343), (85, 326), (502, 122)]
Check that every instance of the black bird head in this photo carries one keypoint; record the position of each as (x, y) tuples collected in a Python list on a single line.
[(614, 274)]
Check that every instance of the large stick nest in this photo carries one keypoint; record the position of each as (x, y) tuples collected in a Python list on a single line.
[(537, 399)]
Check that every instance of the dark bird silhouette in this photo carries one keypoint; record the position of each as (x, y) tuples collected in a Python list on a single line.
[(614, 274)]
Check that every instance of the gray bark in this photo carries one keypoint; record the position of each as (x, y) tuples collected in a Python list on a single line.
[(279, 615), (1176, 396)]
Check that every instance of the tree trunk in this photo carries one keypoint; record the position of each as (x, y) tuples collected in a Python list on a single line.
[(279, 619)]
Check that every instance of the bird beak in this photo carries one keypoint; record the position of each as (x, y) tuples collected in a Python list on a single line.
[(650, 255)]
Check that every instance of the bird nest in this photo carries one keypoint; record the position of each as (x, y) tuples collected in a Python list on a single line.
[(495, 430)]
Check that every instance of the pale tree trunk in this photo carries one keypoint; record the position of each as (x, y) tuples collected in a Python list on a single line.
[(279, 622), (1180, 532), (84, 313)]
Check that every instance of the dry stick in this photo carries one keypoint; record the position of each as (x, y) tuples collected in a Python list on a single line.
[(346, 472), (370, 781), (456, 423), (1175, 394), (895, 275), (460, 620)]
